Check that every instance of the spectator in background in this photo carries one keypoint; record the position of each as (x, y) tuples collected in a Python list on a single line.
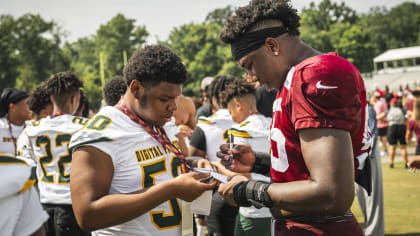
[(414, 122), (265, 98), (205, 89), (397, 131), (39, 102), (14, 112), (113, 90), (209, 134), (408, 105), (381, 108), (388, 96), (185, 115)]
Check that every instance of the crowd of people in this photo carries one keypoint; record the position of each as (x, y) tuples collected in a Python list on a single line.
[(293, 136), (398, 119)]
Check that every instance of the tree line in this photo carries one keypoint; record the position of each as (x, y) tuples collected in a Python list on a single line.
[(32, 48)]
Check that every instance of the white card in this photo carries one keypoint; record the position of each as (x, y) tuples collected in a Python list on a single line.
[(220, 177)]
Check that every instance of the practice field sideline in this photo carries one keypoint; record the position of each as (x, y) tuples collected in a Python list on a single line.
[(401, 201)]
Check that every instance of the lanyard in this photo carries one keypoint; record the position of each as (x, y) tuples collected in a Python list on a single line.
[(159, 136), (58, 113), (11, 135)]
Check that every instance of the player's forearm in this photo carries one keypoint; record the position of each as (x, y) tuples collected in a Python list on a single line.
[(116, 209), (308, 197)]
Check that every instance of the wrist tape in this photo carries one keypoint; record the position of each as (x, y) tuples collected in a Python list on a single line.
[(252, 192), (262, 163)]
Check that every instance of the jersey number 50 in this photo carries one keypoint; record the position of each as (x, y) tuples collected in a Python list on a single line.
[(159, 218)]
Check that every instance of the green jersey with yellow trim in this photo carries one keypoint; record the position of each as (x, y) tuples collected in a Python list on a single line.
[(46, 143), (139, 162)]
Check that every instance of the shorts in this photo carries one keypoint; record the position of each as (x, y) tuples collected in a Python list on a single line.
[(290, 228), (246, 226), (221, 221), (382, 131), (397, 135), (62, 221)]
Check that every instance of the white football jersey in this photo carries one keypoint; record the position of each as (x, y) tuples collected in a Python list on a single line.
[(215, 129), (6, 138), (46, 142), (139, 162), (254, 131), (20, 210)]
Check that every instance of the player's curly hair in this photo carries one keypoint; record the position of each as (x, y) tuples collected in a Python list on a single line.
[(237, 88), (218, 85), (62, 86), (39, 99), (84, 106), (259, 14), (154, 64), (114, 89)]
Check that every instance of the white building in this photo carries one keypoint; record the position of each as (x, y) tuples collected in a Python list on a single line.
[(395, 67)]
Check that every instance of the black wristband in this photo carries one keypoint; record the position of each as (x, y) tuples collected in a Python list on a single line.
[(239, 194), (262, 163), (252, 192)]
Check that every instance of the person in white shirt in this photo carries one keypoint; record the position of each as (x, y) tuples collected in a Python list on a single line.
[(206, 138), (46, 143), (253, 129), (20, 210), (14, 112), (125, 176)]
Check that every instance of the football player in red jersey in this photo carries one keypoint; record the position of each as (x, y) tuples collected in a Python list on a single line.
[(319, 134)]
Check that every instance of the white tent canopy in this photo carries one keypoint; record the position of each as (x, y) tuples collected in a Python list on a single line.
[(398, 54)]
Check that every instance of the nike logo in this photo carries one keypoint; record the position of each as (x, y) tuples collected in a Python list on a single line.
[(320, 86)]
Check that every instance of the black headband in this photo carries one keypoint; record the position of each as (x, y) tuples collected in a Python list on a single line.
[(253, 40), (8, 96)]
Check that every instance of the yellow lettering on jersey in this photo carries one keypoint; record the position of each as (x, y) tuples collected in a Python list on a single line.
[(148, 153), (174, 142)]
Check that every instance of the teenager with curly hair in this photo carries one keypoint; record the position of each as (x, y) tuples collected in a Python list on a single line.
[(319, 137), (46, 143), (125, 177), (39, 102)]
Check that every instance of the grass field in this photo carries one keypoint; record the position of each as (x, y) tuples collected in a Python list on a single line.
[(401, 201)]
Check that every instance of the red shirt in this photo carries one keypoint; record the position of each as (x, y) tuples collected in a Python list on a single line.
[(413, 126), (324, 91)]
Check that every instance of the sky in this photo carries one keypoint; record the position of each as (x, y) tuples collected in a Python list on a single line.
[(80, 18)]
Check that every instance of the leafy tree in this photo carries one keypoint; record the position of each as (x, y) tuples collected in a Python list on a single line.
[(114, 38), (326, 14), (38, 47), (8, 56), (219, 15), (203, 53), (352, 43), (117, 36)]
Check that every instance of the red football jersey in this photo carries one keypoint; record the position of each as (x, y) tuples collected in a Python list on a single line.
[(324, 91)]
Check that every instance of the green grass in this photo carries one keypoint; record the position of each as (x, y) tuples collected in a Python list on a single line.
[(401, 201)]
